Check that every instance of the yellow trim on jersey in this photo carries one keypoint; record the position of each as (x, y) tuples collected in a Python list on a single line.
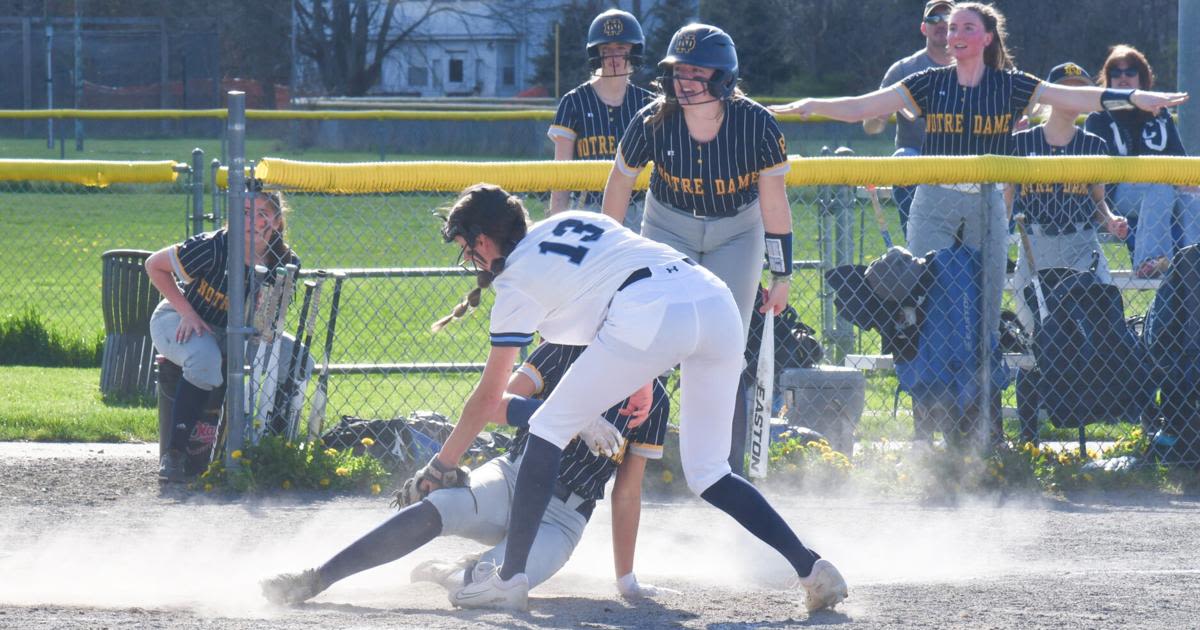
[(909, 102), (779, 169), (533, 374), (559, 131), (649, 451), (178, 266), (625, 168)]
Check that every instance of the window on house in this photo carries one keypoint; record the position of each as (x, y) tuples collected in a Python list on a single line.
[(456, 71), (508, 64)]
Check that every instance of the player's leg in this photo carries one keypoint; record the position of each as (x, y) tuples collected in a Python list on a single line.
[(200, 359), (931, 224), (560, 531), (704, 410)]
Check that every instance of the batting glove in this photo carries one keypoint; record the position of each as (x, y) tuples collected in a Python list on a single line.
[(630, 588), (434, 476), (602, 438)]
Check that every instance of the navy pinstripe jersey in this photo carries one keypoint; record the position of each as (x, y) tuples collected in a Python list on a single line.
[(594, 126), (711, 179), (580, 470), (1135, 132), (968, 120), (1056, 204), (200, 264)]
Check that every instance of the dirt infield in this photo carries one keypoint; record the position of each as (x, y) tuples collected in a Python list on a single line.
[(88, 540)]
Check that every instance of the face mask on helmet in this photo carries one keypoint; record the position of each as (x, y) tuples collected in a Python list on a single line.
[(703, 46), (720, 86), (615, 27)]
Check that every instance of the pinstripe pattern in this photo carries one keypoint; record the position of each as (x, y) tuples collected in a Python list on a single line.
[(1056, 204), (968, 120), (200, 262), (585, 473), (595, 126), (712, 179)]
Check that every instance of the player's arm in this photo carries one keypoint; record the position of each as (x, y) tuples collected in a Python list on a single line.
[(162, 275), (1116, 225), (879, 103), (1091, 99), (564, 150), (1009, 196), (619, 189), (777, 220), (485, 404)]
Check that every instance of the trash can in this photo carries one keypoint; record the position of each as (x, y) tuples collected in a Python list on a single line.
[(828, 399), (128, 299)]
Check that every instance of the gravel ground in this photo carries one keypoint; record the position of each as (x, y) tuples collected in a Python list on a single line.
[(87, 539)]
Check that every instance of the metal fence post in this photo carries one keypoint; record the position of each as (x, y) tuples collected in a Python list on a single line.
[(841, 246), (984, 427), (217, 199), (197, 191), (236, 331), (825, 245)]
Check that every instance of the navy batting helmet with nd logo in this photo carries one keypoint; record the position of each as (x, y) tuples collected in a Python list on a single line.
[(615, 27), (707, 47)]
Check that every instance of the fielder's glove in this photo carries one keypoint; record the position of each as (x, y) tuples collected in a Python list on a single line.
[(434, 476), (602, 438), (630, 588)]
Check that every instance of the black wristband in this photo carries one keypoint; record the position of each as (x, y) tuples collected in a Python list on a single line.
[(779, 253), (438, 466), (1116, 100)]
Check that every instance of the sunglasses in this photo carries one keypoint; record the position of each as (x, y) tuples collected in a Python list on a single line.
[(1116, 73), (936, 18)]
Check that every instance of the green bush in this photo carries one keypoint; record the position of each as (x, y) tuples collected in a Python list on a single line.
[(276, 464), (26, 340)]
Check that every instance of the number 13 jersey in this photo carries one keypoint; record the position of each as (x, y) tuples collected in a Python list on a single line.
[(561, 277)]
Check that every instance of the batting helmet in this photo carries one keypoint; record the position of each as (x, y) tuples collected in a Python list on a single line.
[(615, 26), (705, 46)]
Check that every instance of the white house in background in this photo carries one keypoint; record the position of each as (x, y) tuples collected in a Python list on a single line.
[(478, 48)]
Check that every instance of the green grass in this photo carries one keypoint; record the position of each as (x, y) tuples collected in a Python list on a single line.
[(64, 404)]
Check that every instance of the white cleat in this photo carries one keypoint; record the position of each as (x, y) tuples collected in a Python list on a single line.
[(449, 575), (492, 592), (824, 587), (292, 588)]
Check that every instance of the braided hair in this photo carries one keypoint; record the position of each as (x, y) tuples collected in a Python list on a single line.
[(483, 210)]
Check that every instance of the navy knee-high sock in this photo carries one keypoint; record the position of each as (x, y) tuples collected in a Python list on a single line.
[(741, 500), (397, 537), (535, 485), (188, 406)]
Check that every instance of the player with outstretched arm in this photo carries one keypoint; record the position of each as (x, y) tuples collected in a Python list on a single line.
[(641, 308)]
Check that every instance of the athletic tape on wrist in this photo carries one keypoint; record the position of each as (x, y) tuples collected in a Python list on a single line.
[(779, 253), (1116, 100)]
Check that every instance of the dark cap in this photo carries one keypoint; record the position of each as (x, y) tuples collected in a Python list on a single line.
[(937, 4), (1069, 70), (894, 277)]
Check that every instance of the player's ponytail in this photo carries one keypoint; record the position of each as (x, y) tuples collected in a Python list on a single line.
[(484, 210), (996, 54)]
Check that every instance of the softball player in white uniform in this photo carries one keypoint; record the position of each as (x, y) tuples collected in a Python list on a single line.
[(641, 308)]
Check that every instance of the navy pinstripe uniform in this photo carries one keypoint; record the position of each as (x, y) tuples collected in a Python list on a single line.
[(595, 128), (966, 120), (1150, 207)]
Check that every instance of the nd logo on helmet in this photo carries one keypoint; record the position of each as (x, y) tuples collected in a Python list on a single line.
[(686, 43), (613, 27), (1073, 70)]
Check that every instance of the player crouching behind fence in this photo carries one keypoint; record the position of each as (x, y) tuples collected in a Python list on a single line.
[(188, 327), (641, 308)]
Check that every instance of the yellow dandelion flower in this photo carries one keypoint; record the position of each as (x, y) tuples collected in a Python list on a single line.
[(342, 471), (368, 442), (1087, 476), (208, 487), (330, 452), (667, 477), (287, 484), (324, 482), (236, 455), (376, 488)]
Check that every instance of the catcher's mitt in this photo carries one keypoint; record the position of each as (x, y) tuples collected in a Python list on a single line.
[(435, 477)]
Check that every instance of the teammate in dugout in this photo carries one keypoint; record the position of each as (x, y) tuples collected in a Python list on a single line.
[(1060, 218), (970, 108), (188, 326), (641, 308), (591, 118), (717, 191), (477, 506)]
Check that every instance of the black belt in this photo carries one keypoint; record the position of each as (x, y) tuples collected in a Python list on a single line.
[(1050, 229), (562, 493), (643, 273)]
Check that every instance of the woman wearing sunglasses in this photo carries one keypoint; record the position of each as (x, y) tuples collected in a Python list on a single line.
[(1150, 207)]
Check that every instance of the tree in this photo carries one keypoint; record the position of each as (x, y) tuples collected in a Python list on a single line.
[(668, 16), (575, 18), (349, 40)]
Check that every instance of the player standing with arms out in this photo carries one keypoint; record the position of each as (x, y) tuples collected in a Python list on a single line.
[(591, 118), (1060, 218), (1135, 132), (478, 507), (970, 109), (188, 326), (717, 193), (641, 308), (911, 133)]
